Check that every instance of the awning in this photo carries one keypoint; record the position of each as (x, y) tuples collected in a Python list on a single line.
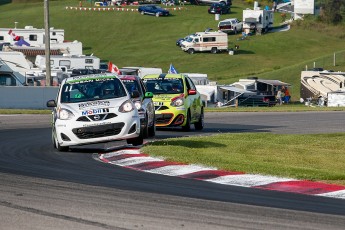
[(35, 51), (235, 89), (273, 82)]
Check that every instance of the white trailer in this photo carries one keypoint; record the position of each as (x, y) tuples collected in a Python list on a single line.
[(259, 21), (34, 37), (213, 42), (70, 61)]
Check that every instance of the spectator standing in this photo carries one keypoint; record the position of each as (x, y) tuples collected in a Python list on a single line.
[(279, 97), (287, 95)]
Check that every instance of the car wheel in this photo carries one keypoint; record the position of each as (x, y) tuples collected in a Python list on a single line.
[(214, 50), (186, 127), (152, 128), (142, 12), (56, 143), (145, 130), (200, 124), (190, 51), (157, 14), (137, 140), (235, 30)]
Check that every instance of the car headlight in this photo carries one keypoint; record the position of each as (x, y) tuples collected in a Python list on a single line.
[(65, 114), (137, 104), (177, 101), (126, 107)]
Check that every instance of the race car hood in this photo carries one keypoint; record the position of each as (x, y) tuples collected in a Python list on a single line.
[(165, 97), (94, 107)]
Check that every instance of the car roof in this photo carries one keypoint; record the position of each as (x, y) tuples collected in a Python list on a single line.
[(82, 78)]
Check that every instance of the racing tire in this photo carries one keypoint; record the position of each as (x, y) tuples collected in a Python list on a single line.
[(200, 124), (190, 51), (145, 130), (136, 141), (186, 127), (152, 129), (214, 50), (57, 145)]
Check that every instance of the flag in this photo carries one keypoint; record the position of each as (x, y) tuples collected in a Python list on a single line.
[(172, 69), (13, 35), (113, 68)]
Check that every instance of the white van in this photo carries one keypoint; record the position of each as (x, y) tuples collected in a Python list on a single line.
[(206, 41)]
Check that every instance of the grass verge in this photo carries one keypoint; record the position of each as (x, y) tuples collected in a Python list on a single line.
[(317, 157)]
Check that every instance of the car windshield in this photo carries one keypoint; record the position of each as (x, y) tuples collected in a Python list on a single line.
[(164, 86), (190, 39), (132, 85), (92, 89)]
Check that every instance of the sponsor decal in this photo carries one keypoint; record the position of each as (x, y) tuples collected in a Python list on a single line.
[(93, 103), (94, 111)]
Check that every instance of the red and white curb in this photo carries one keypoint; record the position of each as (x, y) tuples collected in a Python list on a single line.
[(136, 160)]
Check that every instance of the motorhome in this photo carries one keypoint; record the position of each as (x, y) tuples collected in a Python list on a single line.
[(316, 84), (213, 42), (257, 20), (70, 61), (33, 37)]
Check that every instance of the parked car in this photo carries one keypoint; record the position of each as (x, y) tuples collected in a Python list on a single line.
[(153, 10), (209, 2), (177, 102), (94, 108), (230, 25), (219, 8), (143, 103), (180, 40), (78, 72)]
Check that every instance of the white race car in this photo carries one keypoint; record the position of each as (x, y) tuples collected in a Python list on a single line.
[(92, 109)]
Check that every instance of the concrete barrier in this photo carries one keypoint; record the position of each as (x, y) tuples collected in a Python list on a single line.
[(26, 97)]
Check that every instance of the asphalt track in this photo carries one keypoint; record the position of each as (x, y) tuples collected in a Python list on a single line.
[(45, 189)]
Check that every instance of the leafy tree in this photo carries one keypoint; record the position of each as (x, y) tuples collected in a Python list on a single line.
[(331, 11)]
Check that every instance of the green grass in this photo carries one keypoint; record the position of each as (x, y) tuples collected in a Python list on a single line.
[(313, 157), (131, 39)]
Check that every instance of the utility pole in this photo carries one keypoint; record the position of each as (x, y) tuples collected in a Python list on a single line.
[(47, 42)]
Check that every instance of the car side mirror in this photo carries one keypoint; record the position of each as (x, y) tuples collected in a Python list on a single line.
[(191, 92), (135, 94), (148, 95), (51, 103)]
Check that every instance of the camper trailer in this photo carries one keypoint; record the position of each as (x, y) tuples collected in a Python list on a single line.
[(140, 71), (257, 20), (8, 77), (320, 84), (213, 42), (70, 61), (33, 37)]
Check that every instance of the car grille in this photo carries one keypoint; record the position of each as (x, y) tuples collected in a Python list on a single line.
[(157, 108), (163, 118), (97, 117), (98, 131)]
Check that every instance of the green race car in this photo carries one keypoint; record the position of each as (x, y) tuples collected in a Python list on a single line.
[(176, 101)]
